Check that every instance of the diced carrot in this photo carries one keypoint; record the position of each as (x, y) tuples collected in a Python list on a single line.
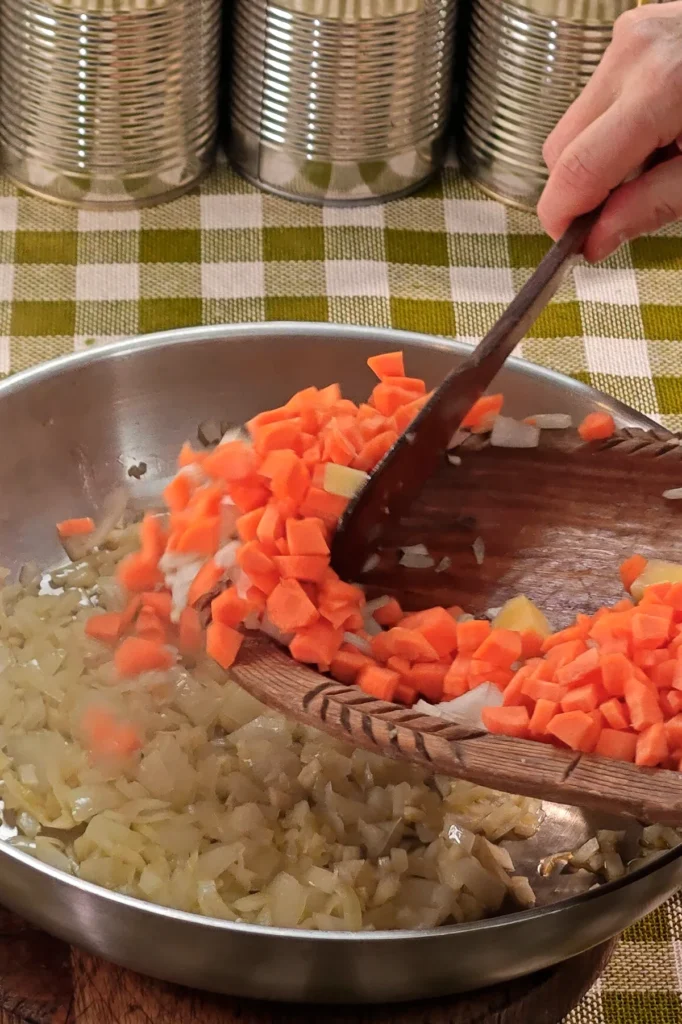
[(302, 567), (205, 580), (289, 607), (616, 670), (372, 452), (378, 682), (440, 629), (387, 398), (289, 476), (642, 704), (317, 644), (428, 678), (471, 634), (487, 672), (543, 713), (673, 731), (456, 681), (652, 746), (531, 644), (563, 654), (677, 676), (506, 721), (538, 689), (597, 426), (258, 566), (616, 744), (583, 670), (631, 568), (564, 636), (576, 729), (272, 436), (223, 643), (414, 384), (346, 665), (137, 655), (190, 632), (663, 674), (670, 702), (137, 573), (150, 626), (483, 412), (319, 504), (177, 493), (513, 691), (389, 364), (405, 695), (248, 496), (649, 631), (108, 737), (406, 413), (247, 524), (130, 611), (399, 665), (353, 623), (616, 713), (206, 501), (410, 644), (306, 537), (270, 529), (335, 591), (106, 628), (582, 698), (229, 608), (201, 538), (283, 412), (501, 647), (390, 614), (75, 527), (338, 448), (160, 601), (189, 456), (231, 462)]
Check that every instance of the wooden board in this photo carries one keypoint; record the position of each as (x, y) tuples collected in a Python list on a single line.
[(43, 981)]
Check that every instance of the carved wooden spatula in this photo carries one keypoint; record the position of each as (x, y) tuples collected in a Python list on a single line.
[(555, 523)]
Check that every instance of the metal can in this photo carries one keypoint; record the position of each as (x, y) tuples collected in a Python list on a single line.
[(528, 60), (340, 101), (108, 104)]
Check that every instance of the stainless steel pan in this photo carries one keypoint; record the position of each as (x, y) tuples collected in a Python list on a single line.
[(73, 430)]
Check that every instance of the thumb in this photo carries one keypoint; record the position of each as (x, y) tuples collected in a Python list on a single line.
[(639, 207)]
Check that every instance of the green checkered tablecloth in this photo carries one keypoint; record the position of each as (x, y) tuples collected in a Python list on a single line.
[(445, 262)]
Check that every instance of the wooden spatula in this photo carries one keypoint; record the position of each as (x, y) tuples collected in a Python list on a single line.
[(555, 522)]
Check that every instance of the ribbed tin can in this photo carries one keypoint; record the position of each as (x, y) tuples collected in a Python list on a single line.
[(340, 101), (527, 62), (108, 103)]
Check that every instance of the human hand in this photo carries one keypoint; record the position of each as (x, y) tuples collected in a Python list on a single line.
[(630, 110)]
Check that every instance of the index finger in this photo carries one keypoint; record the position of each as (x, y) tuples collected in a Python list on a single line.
[(596, 161)]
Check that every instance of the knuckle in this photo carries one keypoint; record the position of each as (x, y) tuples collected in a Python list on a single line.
[(576, 172), (664, 212)]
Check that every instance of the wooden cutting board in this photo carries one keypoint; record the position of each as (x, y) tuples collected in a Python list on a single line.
[(44, 981)]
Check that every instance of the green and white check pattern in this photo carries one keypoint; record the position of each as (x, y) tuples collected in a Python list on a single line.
[(445, 262)]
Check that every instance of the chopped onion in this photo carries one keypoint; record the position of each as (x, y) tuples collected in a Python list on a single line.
[(551, 420), (492, 613), (444, 564), (270, 629), (194, 473), (242, 583), (233, 434), (454, 460), (229, 514), (674, 494), (478, 548), (465, 710), (362, 645), (252, 621), (209, 432), (371, 563), (416, 556), (226, 557), (370, 624), (378, 602), (113, 510), (458, 438), (509, 433)]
